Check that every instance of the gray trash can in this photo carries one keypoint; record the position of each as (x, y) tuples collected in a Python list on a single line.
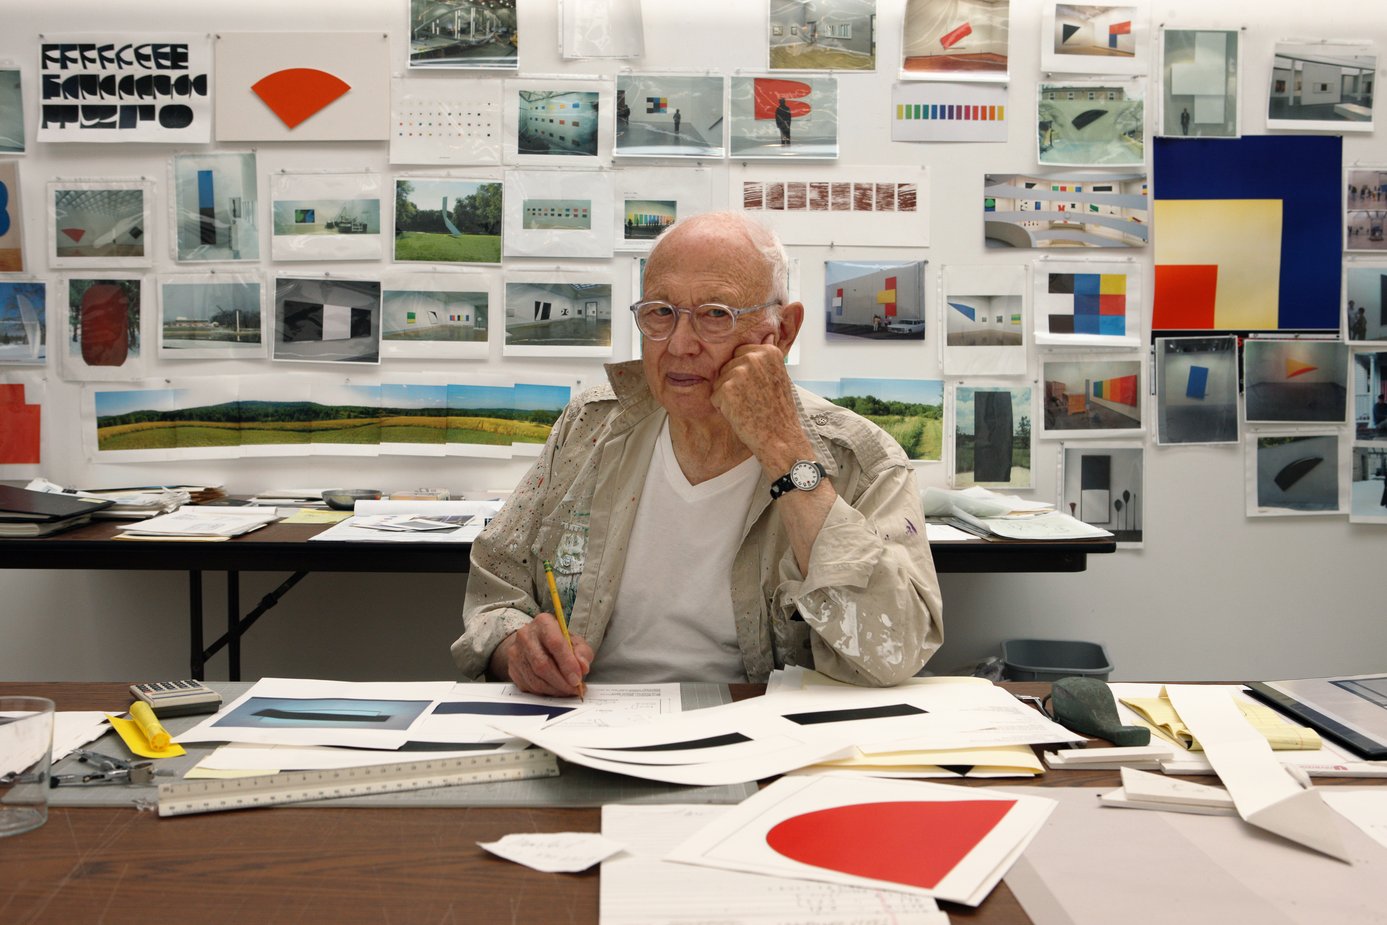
[(1052, 659)]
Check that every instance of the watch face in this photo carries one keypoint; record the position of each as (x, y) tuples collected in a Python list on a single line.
[(805, 475)]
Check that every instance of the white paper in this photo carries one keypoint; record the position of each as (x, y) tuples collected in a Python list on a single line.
[(554, 852), (74, 728), (865, 206), (326, 216), (1366, 809), (639, 888)]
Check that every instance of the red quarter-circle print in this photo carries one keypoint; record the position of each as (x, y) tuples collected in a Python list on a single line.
[(296, 94)]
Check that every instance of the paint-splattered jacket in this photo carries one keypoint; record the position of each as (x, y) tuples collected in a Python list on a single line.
[(867, 612)]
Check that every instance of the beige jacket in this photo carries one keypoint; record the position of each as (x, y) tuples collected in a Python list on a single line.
[(868, 611)]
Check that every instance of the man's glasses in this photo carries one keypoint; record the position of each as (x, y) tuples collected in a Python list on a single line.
[(711, 321)]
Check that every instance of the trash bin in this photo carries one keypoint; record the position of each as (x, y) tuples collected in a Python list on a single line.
[(1052, 659)]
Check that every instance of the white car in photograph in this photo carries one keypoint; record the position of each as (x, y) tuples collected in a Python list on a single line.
[(907, 326)]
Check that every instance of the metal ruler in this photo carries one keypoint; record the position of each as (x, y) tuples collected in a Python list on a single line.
[(208, 796)]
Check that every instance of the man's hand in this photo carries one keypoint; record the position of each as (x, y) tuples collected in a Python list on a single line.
[(753, 392), (536, 658)]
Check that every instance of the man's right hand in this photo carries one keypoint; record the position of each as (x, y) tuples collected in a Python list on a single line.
[(537, 659)]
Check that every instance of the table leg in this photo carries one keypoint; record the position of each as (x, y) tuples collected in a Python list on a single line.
[(233, 626), (198, 663)]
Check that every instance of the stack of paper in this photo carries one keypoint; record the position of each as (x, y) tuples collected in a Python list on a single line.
[(200, 523), (414, 521), (987, 514), (126, 503), (1143, 790)]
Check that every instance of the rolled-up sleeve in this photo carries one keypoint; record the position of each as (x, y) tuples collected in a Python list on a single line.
[(871, 595)]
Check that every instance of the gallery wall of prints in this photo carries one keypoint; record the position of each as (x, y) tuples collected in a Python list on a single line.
[(1101, 255)]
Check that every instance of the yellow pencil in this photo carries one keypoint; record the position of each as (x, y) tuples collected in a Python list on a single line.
[(558, 615)]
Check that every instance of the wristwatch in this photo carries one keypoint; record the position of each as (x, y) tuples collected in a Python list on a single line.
[(804, 475)]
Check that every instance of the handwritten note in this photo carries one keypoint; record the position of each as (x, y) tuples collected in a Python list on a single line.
[(554, 852)]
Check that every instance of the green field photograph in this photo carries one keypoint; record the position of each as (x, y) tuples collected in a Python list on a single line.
[(447, 221), (487, 415), (910, 410)]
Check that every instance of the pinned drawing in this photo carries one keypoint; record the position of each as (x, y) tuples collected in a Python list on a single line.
[(326, 216), (553, 316), (1365, 214), (326, 320), (437, 315), (457, 123), (983, 318)]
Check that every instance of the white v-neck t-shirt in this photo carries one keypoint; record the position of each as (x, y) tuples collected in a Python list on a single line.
[(673, 619)]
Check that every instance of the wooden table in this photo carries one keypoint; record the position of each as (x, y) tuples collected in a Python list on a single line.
[(287, 548), (343, 866)]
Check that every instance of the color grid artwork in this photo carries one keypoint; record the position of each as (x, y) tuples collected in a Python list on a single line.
[(1099, 303), (1247, 233)]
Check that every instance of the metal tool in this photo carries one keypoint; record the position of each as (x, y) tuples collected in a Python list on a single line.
[(108, 770)]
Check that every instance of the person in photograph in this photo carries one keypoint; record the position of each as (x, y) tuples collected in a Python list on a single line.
[(677, 119), (1184, 121), (705, 518), (782, 121), (1380, 413), (1358, 322)]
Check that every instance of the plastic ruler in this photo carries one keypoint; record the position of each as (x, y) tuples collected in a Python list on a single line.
[(182, 798)]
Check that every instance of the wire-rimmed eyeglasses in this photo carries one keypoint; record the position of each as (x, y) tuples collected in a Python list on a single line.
[(711, 320)]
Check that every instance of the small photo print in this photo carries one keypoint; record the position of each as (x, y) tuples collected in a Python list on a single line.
[(215, 207), (1065, 211), (327, 320), (448, 221), (1297, 381), (1370, 395), (562, 122), (830, 35), (463, 34), (876, 300), (1196, 390), (23, 323), (11, 112), (208, 318), (646, 218), (910, 410), (1091, 123), (660, 115), (780, 117), (99, 225), (11, 219), (326, 216), (551, 318), (1365, 209), (1092, 397), (1326, 87), (1293, 474), (420, 322), (992, 437), (1199, 83), (103, 328), (1102, 486), (556, 215), (1368, 488), (949, 40)]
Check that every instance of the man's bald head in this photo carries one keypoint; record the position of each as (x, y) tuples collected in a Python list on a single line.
[(739, 240)]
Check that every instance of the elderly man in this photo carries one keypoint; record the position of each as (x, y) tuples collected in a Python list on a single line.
[(706, 519)]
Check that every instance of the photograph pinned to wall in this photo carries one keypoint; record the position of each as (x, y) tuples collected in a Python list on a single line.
[(558, 314), (101, 328), (559, 213), (215, 207), (1365, 312), (538, 406), (463, 34), (276, 418), (326, 216), (1091, 397), (1368, 484), (911, 411), (1295, 381), (196, 418), (982, 315), (669, 115), (1200, 76), (414, 415), (1102, 486), (326, 320), (881, 300), (23, 322), (448, 220), (1369, 395), (830, 35), (303, 86), (1365, 209), (783, 117), (1097, 123), (99, 223), (11, 111), (650, 199), (975, 112), (992, 436), (349, 417), (1246, 245), (955, 40), (217, 316), (868, 206), (1082, 303), (601, 29), (437, 315), (1082, 38), (21, 424), (1293, 474), (11, 219), (144, 87), (1324, 86), (1196, 390), (482, 420), (554, 122), (1069, 210), (457, 123)]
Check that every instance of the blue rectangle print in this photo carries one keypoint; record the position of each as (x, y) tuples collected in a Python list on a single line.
[(1198, 384)]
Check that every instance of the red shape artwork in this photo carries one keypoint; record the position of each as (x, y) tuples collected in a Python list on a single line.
[(105, 336), (294, 94), (914, 843), (950, 39), (75, 233), (1185, 296), (19, 433), (767, 92)]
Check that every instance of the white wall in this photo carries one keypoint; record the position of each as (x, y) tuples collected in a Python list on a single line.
[(1211, 595)]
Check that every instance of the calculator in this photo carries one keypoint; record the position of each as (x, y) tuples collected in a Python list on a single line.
[(177, 698)]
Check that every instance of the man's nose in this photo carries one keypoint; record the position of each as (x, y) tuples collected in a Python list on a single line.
[(683, 340)]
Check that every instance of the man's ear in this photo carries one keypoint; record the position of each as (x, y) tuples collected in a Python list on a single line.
[(787, 328)]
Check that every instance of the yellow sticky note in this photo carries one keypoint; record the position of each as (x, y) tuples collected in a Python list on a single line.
[(309, 516), (134, 739)]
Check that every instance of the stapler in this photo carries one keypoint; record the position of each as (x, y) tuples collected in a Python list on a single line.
[(1086, 705)]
